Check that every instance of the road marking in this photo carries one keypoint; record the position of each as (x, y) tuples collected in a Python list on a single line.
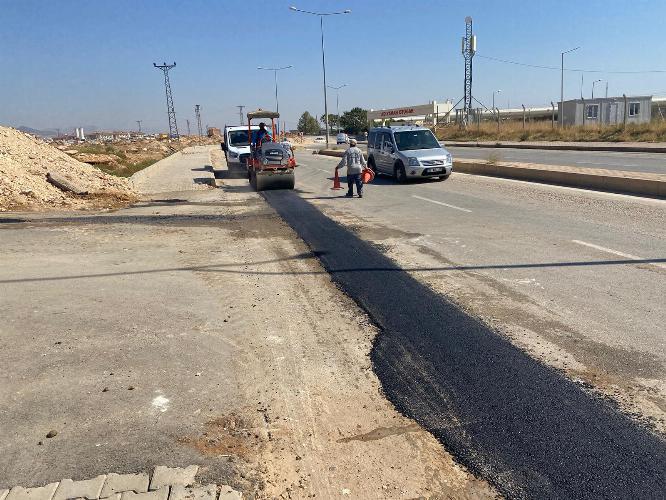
[(615, 252), (441, 203)]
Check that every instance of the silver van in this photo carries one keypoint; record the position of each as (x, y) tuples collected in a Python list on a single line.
[(408, 152)]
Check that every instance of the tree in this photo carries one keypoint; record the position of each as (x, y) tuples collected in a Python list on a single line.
[(308, 124), (355, 120), (332, 120)]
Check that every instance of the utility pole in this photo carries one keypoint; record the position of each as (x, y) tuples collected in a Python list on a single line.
[(560, 114), (240, 112), (198, 113), (323, 55), (139, 123), (468, 51), (275, 72), (171, 113), (337, 100), (188, 127)]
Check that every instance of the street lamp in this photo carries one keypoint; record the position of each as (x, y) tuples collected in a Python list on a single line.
[(337, 100), (593, 83), (323, 55), (275, 72), (495, 92), (561, 111)]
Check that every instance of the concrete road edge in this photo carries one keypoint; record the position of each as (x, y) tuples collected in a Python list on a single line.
[(617, 181)]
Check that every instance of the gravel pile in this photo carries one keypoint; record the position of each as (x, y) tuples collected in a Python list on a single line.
[(24, 164)]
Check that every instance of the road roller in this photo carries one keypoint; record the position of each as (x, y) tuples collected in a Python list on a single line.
[(271, 164)]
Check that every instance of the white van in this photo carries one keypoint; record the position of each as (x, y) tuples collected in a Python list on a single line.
[(236, 145)]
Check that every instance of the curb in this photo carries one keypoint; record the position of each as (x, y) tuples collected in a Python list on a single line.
[(617, 181), (331, 152), (559, 147)]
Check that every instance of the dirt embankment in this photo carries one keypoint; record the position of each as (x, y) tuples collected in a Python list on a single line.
[(24, 164), (125, 158)]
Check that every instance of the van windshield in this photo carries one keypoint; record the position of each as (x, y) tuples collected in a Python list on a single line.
[(415, 139), (238, 138)]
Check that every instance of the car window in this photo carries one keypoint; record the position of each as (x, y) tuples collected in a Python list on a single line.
[(238, 138), (371, 139), (387, 142), (415, 139)]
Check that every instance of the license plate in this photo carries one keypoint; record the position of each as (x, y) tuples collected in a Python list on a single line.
[(436, 169)]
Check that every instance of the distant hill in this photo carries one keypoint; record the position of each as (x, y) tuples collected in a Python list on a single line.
[(40, 133), (51, 132)]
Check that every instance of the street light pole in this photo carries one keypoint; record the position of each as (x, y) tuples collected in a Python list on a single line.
[(593, 83), (495, 92), (337, 101), (275, 72), (561, 111), (323, 55)]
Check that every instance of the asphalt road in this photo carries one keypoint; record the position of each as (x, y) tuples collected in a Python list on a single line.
[(632, 162), (583, 273), (526, 428)]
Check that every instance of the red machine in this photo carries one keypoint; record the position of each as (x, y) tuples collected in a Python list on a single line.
[(271, 164)]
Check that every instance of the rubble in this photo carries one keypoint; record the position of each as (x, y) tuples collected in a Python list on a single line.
[(25, 163)]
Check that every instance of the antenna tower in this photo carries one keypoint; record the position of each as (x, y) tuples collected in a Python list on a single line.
[(173, 126), (240, 112), (198, 113), (468, 51)]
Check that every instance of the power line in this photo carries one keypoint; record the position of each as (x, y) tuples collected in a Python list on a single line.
[(576, 70)]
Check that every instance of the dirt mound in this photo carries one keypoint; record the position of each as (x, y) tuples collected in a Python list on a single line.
[(24, 164)]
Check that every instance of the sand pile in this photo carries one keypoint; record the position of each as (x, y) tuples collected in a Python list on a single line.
[(24, 164)]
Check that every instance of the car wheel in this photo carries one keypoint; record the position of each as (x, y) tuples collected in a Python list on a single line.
[(399, 173)]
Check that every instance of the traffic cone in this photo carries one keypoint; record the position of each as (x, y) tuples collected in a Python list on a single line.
[(367, 175), (336, 181)]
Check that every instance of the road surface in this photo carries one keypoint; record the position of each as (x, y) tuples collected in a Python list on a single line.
[(511, 419), (632, 162), (574, 276), (196, 328)]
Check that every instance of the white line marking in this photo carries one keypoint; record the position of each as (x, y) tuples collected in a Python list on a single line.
[(615, 252), (441, 203)]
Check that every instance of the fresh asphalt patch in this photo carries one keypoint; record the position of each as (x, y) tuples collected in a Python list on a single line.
[(510, 419)]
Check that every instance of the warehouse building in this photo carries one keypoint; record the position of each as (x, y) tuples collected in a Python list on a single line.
[(607, 110), (421, 114)]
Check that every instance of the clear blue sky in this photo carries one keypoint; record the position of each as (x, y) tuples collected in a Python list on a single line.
[(70, 63)]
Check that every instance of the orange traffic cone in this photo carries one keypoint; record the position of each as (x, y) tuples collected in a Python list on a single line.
[(336, 181), (367, 175)]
